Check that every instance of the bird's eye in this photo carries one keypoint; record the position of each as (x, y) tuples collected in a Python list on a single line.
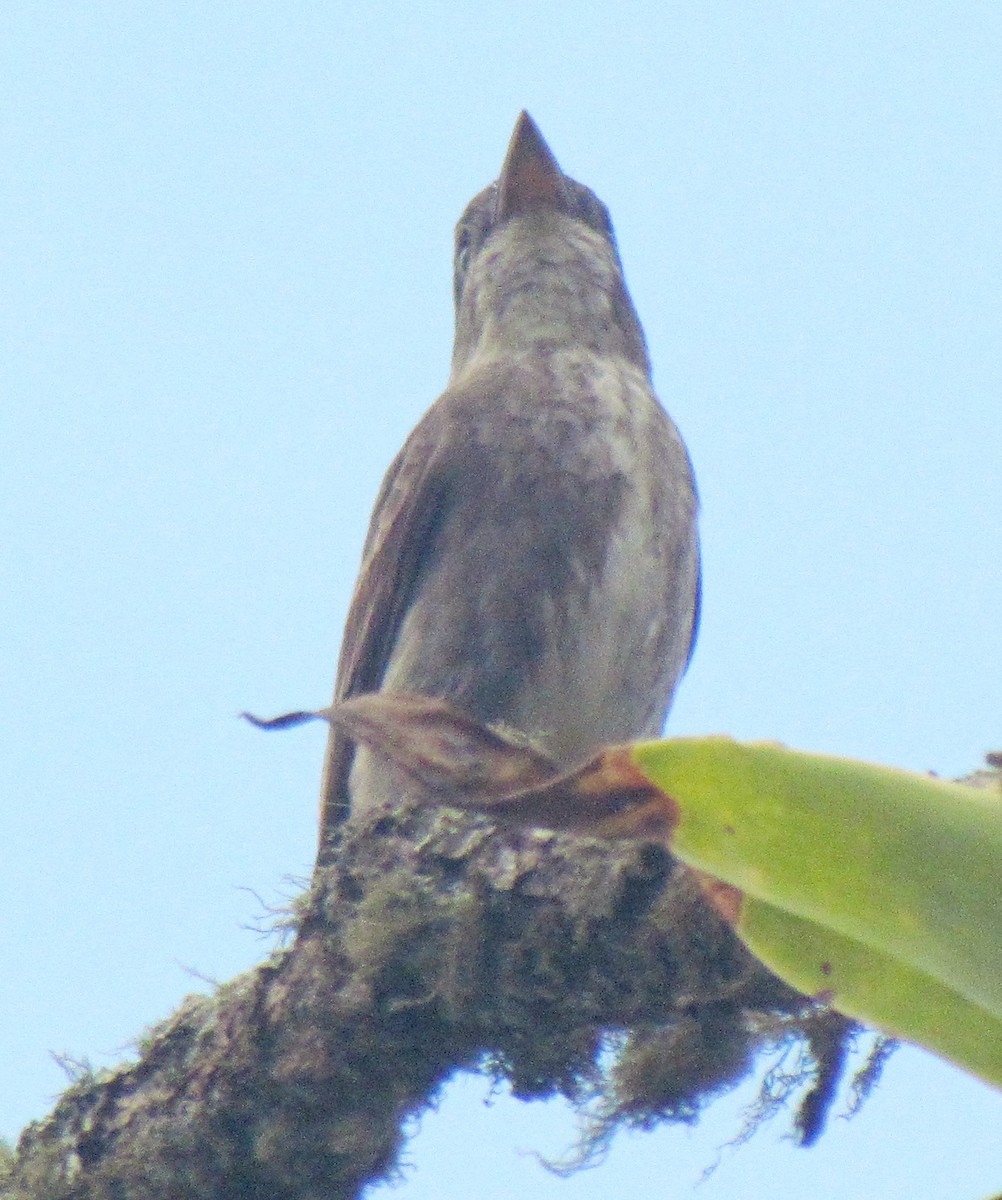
[(462, 251)]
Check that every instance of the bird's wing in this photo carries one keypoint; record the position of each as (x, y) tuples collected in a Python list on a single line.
[(407, 512), (697, 607)]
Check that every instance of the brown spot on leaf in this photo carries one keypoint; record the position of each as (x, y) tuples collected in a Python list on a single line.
[(724, 897)]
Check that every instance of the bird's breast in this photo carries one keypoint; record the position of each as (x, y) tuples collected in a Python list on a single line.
[(557, 591)]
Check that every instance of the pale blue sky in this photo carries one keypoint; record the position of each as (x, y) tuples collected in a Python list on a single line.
[(225, 234)]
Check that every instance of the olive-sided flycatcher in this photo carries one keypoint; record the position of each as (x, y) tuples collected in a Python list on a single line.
[(532, 556)]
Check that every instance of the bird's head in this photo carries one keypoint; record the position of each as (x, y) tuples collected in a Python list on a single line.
[(536, 264)]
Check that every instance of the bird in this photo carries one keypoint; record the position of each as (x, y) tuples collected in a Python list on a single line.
[(533, 554)]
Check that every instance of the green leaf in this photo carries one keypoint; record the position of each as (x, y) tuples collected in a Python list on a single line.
[(875, 889)]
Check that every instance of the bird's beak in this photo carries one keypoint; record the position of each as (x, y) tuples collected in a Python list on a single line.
[(531, 176)]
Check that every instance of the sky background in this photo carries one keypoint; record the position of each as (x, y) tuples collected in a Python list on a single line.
[(225, 240)]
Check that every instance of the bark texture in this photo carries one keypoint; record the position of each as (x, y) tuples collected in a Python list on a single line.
[(431, 943)]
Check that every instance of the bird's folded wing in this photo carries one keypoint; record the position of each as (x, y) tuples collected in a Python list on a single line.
[(407, 513)]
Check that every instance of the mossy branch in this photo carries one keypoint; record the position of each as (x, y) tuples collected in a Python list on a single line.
[(431, 943)]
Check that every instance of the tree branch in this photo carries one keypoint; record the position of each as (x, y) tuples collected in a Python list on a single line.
[(431, 943)]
